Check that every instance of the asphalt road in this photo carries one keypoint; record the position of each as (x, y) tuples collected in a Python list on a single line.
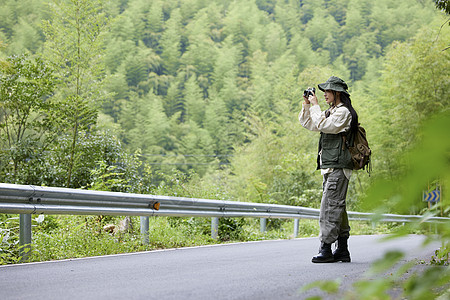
[(255, 270)]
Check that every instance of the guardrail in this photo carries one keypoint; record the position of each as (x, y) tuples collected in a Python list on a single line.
[(28, 199)]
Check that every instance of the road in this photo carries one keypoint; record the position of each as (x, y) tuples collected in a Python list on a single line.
[(254, 270)]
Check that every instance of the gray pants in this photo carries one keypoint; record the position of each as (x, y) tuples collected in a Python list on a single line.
[(333, 217)]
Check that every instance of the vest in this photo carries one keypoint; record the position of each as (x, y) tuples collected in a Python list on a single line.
[(334, 153)]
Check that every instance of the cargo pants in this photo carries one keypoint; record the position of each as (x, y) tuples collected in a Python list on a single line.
[(333, 219)]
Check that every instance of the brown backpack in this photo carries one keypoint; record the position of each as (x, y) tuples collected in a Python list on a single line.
[(359, 149)]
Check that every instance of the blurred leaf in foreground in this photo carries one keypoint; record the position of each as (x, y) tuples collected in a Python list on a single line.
[(428, 161), (328, 286)]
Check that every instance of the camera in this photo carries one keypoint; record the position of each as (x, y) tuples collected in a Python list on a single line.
[(309, 91)]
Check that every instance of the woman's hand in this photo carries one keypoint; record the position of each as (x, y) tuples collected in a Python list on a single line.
[(306, 100), (313, 99)]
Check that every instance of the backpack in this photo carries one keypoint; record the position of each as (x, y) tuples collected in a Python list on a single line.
[(359, 149)]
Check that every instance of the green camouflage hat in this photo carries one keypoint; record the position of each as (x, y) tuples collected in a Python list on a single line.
[(335, 84)]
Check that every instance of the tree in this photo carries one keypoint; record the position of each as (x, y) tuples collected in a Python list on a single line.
[(413, 87), (117, 84), (275, 42), (261, 87), (287, 15), (74, 45), (195, 104), (25, 113), (196, 145), (317, 29), (19, 23), (135, 68), (174, 102), (150, 131), (443, 5), (354, 20), (26, 37), (226, 64), (156, 16), (171, 44), (201, 51), (217, 124), (117, 50)]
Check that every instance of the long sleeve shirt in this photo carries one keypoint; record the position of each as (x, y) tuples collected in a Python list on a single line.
[(312, 118)]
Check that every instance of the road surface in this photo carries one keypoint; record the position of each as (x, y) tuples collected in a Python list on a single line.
[(254, 270)]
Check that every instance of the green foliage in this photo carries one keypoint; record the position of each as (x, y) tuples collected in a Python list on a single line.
[(74, 42), (441, 256), (69, 240), (9, 238), (443, 5), (9, 235), (428, 161), (98, 155), (330, 287), (107, 179), (409, 92), (19, 23), (425, 285), (387, 273), (214, 62), (26, 126)]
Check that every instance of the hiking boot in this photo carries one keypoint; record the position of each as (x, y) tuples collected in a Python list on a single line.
[(325, 255), (342, 253)]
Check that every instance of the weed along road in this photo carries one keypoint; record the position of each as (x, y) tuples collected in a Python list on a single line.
[(254, 270)]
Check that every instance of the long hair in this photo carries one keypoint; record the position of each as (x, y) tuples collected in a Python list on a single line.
[(345, 100)]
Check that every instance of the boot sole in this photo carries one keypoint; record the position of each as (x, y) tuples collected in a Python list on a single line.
[(347, 259), (323, 261)]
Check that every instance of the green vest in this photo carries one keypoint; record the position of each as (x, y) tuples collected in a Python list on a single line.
[(334, 153)]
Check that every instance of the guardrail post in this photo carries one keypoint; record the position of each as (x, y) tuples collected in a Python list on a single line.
[(214, 227), (296, 223), (24, 236), (262, 224), (145, 229)]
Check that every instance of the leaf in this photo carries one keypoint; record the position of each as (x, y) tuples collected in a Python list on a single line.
[(420, 286), (373, 289), (329, 286), (387, 262)]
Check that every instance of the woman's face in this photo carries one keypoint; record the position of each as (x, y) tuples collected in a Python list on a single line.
[(329, 96)]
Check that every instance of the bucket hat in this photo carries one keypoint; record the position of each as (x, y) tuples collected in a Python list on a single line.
[(335, 84)]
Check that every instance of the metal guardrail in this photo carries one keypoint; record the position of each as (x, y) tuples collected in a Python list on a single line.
[(28, 199)]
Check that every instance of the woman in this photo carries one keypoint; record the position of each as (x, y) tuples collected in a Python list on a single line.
[(334, 162)]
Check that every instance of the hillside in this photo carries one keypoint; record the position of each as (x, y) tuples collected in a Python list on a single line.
[(214, 86)]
